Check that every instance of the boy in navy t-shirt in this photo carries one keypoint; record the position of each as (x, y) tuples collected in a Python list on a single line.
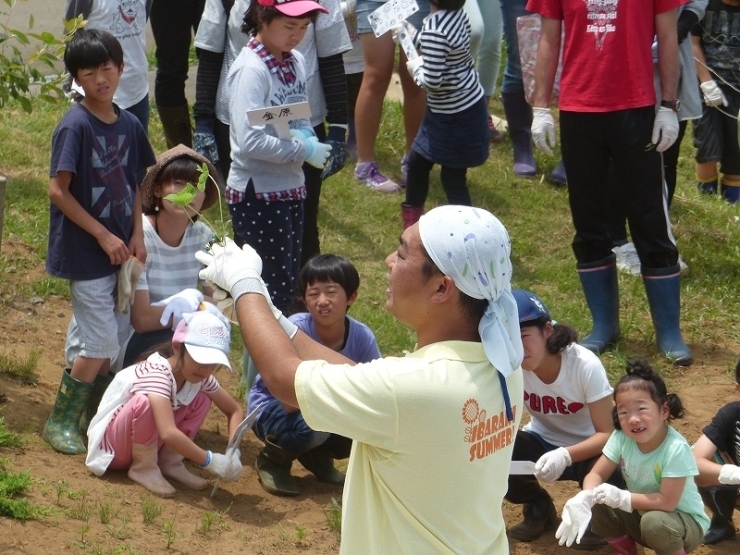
[(328, 286), (98, 150)]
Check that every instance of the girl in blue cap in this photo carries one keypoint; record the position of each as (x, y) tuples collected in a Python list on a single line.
[(568, 397)]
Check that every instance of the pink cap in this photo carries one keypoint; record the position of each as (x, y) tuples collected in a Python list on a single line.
[(293, 8), (206, 337)]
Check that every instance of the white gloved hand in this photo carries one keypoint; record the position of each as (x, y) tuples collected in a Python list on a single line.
[(227, 468), (713, 95), (175, 306), (302, 133), (730, 474), (400, 27), (665, 129), (412, 66), (550, 466), (316, 153), (575, 518), (238, 272), (215, 310), (232, 269), (614, 497), (543, 129)]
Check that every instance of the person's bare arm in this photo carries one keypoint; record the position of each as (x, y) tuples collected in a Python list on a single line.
[(548, 54), (668, 61), (601, 417)]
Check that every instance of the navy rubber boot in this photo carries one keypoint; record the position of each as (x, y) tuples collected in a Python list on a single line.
[(519, 122), (600, 286), (663, 288), (557, 176)]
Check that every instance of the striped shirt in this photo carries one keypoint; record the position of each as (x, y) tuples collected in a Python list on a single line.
[(154, 377), (448, 75), (169, 269)]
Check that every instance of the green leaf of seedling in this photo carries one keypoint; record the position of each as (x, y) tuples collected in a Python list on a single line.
[(183, 197), (204, 175)]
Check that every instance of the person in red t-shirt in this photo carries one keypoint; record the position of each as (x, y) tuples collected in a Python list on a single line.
[(607, 116)]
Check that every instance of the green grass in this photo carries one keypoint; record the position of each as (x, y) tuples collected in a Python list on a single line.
[(364, 226)]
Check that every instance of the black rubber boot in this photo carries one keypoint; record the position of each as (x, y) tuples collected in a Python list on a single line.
[(176, 125), (321, 465), (721, 501), (539, 517), (273, 468)]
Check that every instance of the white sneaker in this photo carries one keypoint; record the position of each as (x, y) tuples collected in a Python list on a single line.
[(683, 265), (627, 259)]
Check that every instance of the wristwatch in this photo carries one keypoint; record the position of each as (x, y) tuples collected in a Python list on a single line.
[(674, 105)]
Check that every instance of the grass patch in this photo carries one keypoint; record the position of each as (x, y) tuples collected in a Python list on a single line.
[(9, 438), (23, 368)]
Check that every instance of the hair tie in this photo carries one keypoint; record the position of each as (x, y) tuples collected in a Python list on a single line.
[(266, 3)]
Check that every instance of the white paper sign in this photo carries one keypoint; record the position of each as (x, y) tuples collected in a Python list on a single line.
[(408, 46), (279, 117), (390, 13)]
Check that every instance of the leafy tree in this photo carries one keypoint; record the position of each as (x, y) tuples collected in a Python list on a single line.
[(24, 80)]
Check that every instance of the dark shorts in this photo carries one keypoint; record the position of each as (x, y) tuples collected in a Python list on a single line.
[(715, 135)]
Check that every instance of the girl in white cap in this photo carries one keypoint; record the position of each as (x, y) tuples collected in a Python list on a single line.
[(152, 410)]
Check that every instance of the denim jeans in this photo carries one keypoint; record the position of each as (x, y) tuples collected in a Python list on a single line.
[(510, 11), (292, 432)]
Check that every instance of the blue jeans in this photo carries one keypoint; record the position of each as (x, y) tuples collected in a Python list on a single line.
[(510, 11), (292, 432), (141, 111)]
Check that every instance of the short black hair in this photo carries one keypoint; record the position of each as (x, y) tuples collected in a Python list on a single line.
[(182, 168), (90, 48), (563, 334), (448, 4), (323, 268)]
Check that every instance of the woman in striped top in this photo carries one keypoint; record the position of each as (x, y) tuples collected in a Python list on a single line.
[(454, 132)]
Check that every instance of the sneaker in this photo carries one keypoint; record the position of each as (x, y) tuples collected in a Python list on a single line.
[(368, 174), (684, 267), (404, 169), (627, 259), (496, 137)]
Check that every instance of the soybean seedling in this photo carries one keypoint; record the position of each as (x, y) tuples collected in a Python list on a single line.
[(187, 194)]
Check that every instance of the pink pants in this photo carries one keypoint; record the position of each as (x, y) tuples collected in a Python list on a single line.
[(134, 423)]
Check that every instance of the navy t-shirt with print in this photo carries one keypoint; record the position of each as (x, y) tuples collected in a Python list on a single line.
[(105, 160)]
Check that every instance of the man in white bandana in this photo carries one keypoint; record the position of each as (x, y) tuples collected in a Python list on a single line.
[(433, 431)]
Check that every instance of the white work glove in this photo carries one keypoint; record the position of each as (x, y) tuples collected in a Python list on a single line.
[(412, 66), (713, 95), (575, 518), (214, 309), (400, 27), (237, 271), (187, 300), (126, 280), (730, 474), (316, 153), (227, 468), (612, 496), (665, 129), (543, 129), (550, 466), (302, 133)]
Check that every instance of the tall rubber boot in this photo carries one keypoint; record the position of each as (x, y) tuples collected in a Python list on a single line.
[(623, 545), (62, 427), (663, 288), (171, 465), (721, 501), (707, 186), (519, 120), (145, 472), (176, 125), (100, 384), (273, 468), (557, 175), (539, 517), (730, 190), (410, 214), (321, 465), (601, 288)]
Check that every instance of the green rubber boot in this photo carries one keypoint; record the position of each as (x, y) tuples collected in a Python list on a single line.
[(273, 468), (62, 428), (100, 384), (322, 466)]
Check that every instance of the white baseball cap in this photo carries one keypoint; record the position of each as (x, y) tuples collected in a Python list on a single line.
[(206, 337)]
